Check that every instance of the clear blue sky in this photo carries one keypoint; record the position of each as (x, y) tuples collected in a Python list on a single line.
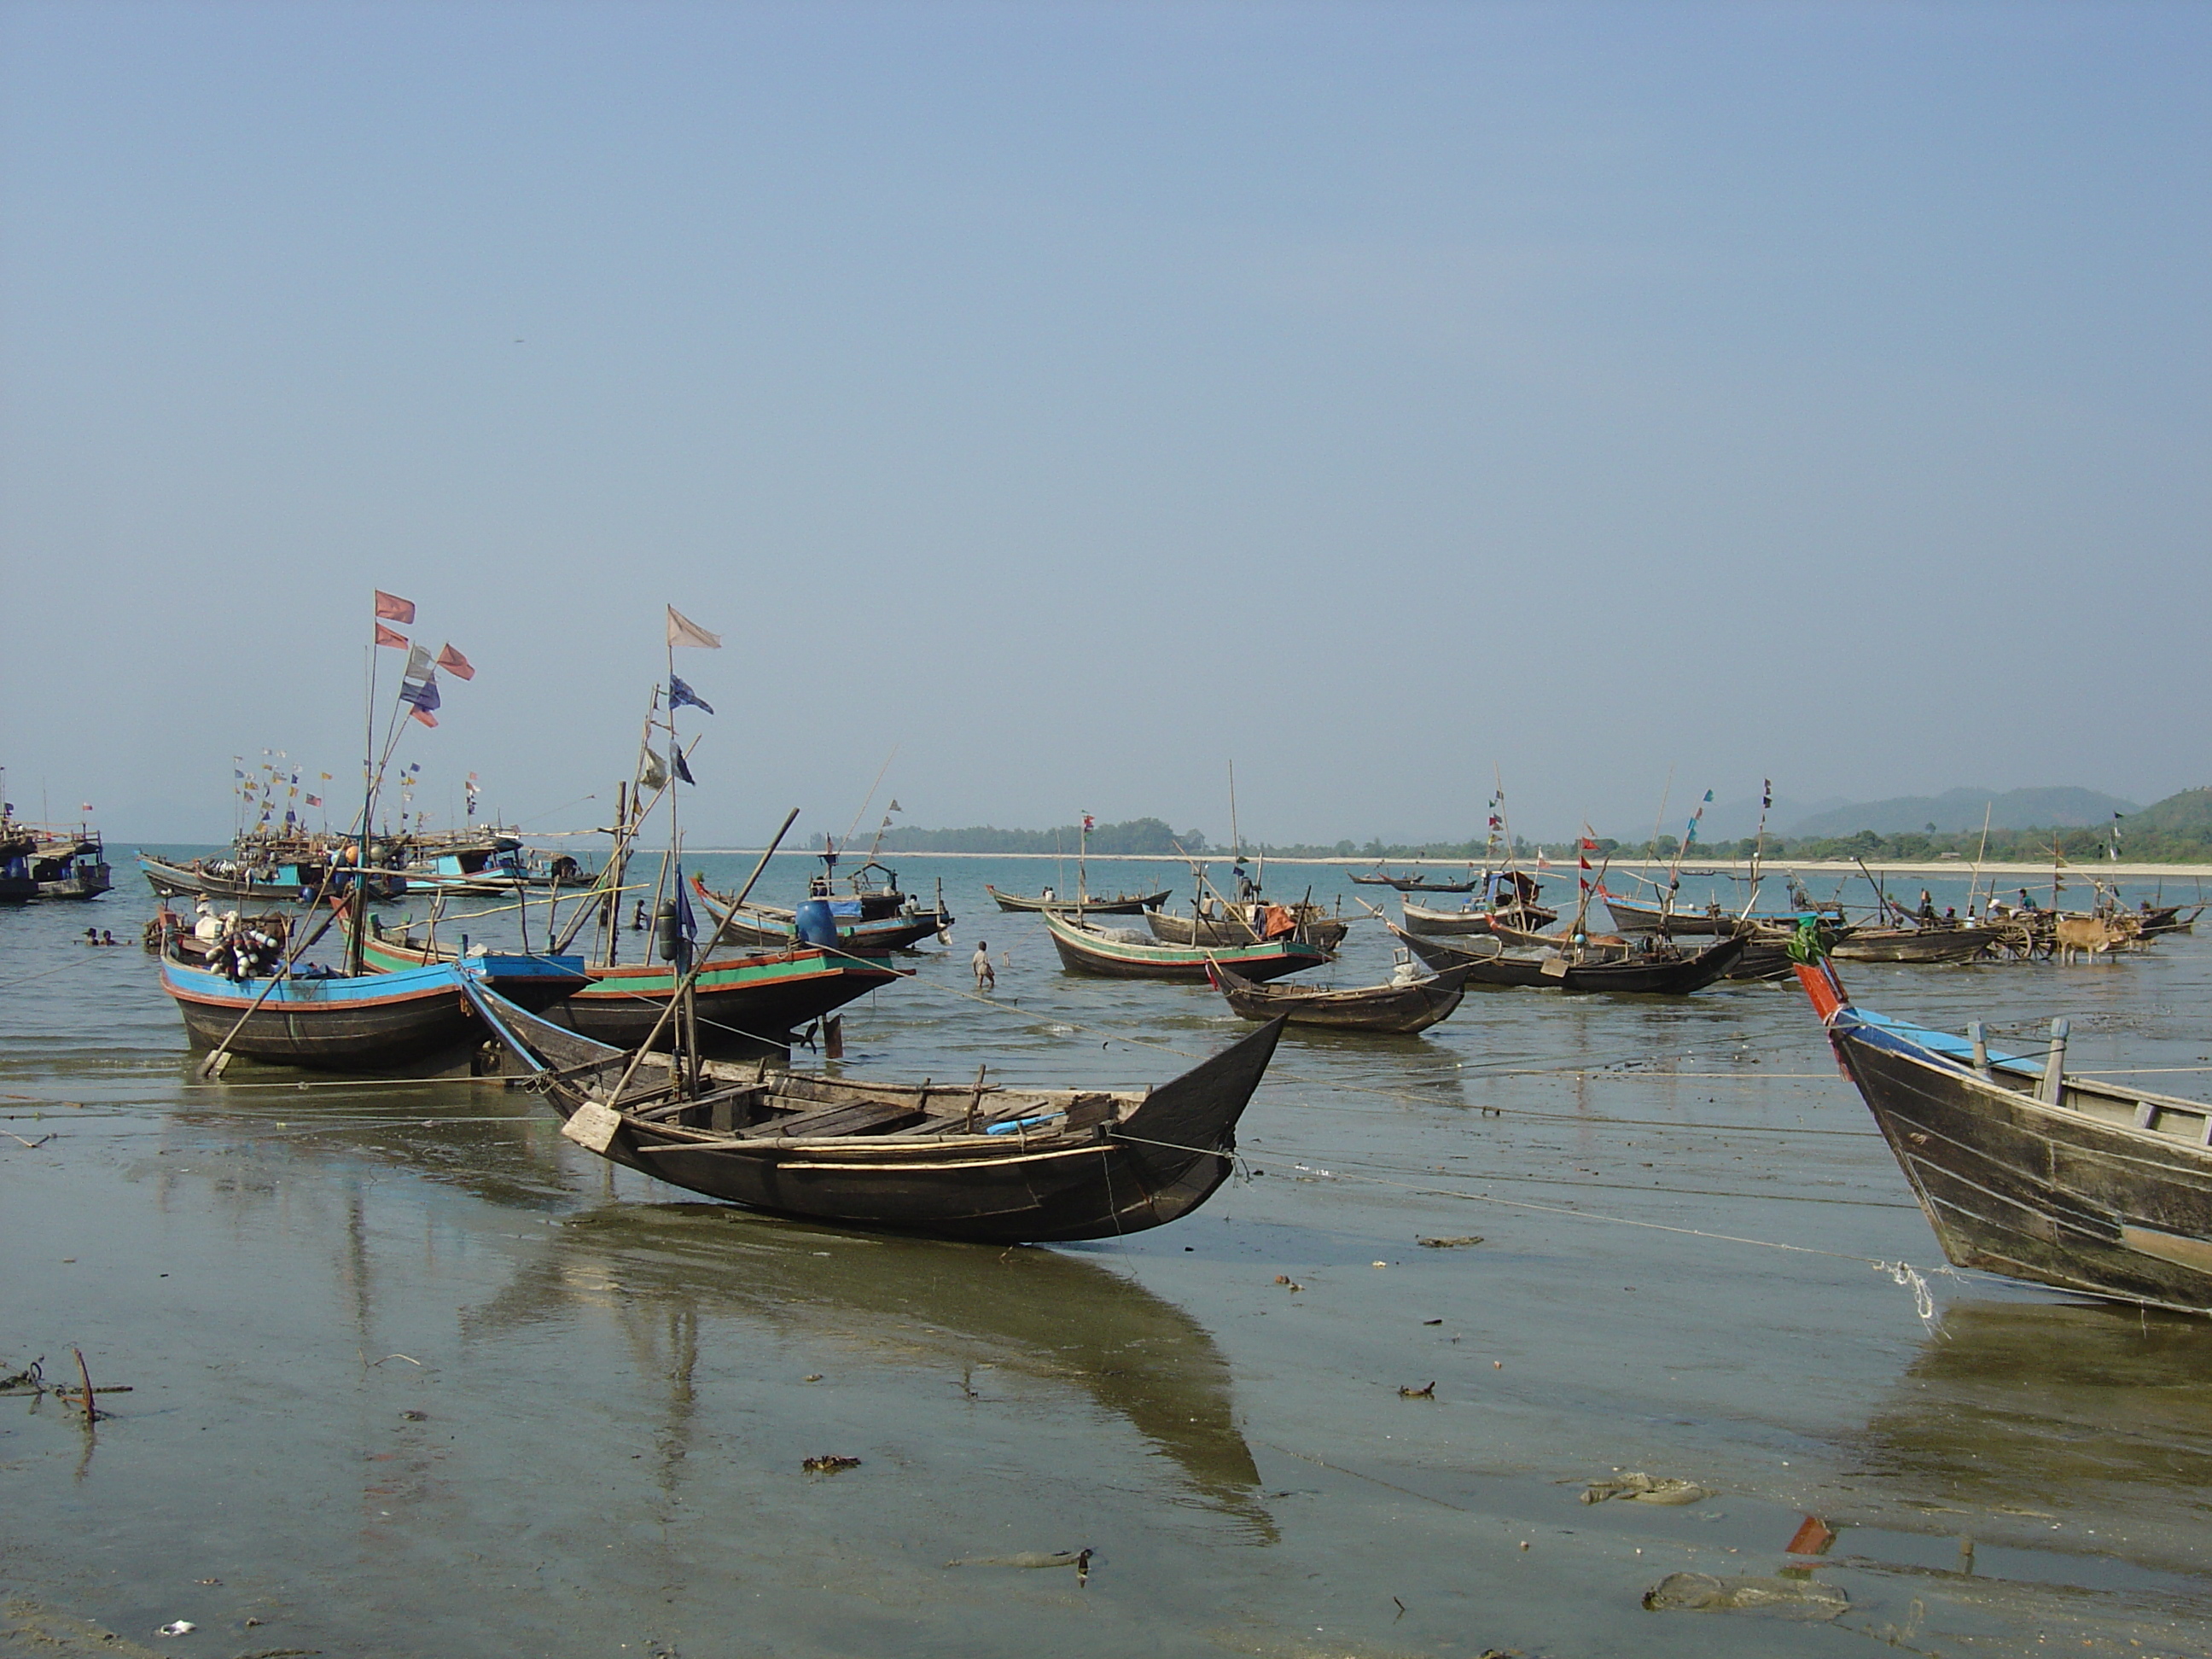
[(1077, 397)]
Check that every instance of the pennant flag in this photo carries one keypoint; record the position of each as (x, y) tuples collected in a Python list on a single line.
[(327, 777), (388, 636), (392, 608), (680, 694), (686, 923), (1090, 822), (455, 664), (1766, 792), (895, 807), (419, 713), (682, 770), (314, 800), (682, 630)]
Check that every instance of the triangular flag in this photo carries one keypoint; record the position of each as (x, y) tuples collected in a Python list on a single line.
[(683, 771), (682, 630), (895, 807), (455, 664), (392, 608), (419, 713), (680, 694), (388, 636)]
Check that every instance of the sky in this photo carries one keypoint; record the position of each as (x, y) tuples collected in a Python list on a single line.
[(1060, 402)]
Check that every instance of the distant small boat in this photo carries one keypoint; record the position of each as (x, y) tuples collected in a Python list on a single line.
[(867, 924), (1398, 1008), (990, 1164), (1124, 953), (1612, 970), (1414, 884), (1122, 904), (2026, 1170), (1519, 915)]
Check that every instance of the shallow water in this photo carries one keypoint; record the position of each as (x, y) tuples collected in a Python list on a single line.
[(612, 1381)]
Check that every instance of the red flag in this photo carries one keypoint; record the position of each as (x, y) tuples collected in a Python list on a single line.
[(423, 716), (455, 664), (1090, 822), (385, 636), (392, 608)]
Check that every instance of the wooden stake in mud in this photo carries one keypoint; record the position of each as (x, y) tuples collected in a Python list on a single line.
[(91, 1411), (975, 1100)]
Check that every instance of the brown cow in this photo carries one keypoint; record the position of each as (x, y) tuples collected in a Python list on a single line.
[(2095, 934)]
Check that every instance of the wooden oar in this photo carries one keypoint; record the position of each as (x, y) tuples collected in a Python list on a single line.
[(221, 1058)]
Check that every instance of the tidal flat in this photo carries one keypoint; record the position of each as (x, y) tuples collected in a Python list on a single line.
[(410, 1373)]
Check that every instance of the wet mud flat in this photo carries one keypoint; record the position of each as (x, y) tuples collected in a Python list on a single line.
[(408, 1374)]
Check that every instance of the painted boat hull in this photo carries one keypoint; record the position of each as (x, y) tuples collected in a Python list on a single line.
[(1529, 919), (1083, 950), (747, 1005), (1937, 945), (1631, 975), (1326, 931), (177, 881), (371, 1022)]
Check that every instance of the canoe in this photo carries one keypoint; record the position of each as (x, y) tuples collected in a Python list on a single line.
[(365, 1023), (1122, 904), (1315, 926), (1087, 950), (2026, 1170), (987, 1163), (1477, 918), (1918, 944), (1633, 973), (1400, 1010)]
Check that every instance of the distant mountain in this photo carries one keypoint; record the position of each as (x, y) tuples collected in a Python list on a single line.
[(2189, 813), (1956, 811)]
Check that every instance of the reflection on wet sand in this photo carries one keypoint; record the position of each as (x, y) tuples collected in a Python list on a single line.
[(1058, 1319), (2035, 1411)]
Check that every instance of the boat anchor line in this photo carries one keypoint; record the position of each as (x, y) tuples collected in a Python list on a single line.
[(1903, 1273)]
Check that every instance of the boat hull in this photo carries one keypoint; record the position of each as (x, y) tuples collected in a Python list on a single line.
[(2047, 1193), (1934, 945), (1531, 919), (371, 1022), (1326, 931), (746, 1004), (1125, 905), (1630, 976), (1084, 950), (1391, 1010)]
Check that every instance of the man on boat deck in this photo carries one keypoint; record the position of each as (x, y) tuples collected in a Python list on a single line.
[(986, 979)]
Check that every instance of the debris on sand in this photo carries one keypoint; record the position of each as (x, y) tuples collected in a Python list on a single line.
[(1642, 1488), (830, 1465), (1080, 1559), (1409, 1393), (1785, 1598), (1447, 1244)]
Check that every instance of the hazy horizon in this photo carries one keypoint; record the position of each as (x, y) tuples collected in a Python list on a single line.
[(1075, 399)]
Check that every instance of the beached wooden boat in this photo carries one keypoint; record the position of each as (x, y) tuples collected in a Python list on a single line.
[(1918, 944), (1396, 1008), (984, 1163), (1122, 904), (363, 1023), (1607, 969), (1234, 922), (2026, 1170), (1124, 953)]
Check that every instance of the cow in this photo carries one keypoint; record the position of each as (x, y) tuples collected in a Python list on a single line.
[(2093, 934)]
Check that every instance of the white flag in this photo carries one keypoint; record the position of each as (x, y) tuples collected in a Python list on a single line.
[(682, 630)]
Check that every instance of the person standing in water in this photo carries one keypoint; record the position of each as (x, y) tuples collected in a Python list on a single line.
[(986, 979)]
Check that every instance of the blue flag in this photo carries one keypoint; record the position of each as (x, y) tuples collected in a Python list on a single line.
[(680, 694), (686, 923), (683, 771), (423, 696)]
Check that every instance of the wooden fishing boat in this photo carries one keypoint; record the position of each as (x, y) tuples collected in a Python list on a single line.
[(1399, 1008), (867, 925), (1414, 884), (287, 882), (747, 1004), (1233, 922), (363, 1023), (1630, 918), (1520, 917), (987, 1163), (537, 980), (1124, 953), (2026, 1170), (1918, 944), (1637, 972), (1122, 904)]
